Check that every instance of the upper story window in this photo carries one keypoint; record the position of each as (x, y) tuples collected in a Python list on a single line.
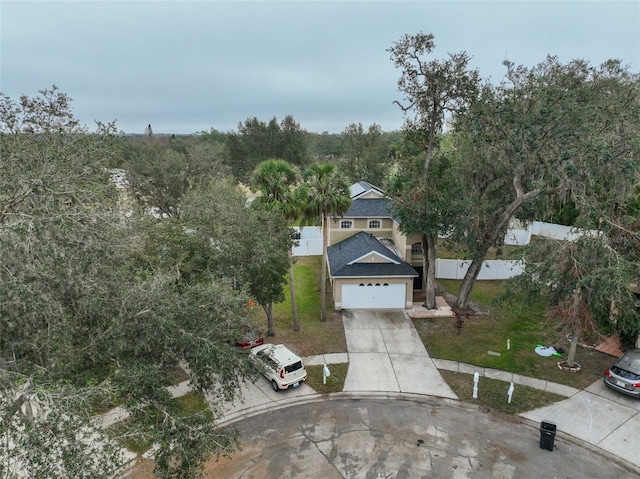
[(373, 224), (416, 248), (346, 224)]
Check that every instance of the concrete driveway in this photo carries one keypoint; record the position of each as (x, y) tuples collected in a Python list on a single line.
[(386, 354)]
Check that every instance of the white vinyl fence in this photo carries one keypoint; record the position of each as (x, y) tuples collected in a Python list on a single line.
[(518, 233), (309, 242), (491, 269)]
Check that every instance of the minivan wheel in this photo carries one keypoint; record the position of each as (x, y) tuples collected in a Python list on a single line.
[(274, 385)]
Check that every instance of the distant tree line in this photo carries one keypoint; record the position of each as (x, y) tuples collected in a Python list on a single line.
[(362, 154)]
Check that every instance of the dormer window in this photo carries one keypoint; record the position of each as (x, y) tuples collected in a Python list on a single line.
[(374, 224), (346, 224)]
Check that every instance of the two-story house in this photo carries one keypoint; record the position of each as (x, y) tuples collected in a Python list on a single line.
[(372, 264)]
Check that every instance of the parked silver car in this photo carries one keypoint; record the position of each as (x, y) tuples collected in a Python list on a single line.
[(624, 374)]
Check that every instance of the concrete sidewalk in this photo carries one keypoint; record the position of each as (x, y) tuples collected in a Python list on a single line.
[(600, 417)]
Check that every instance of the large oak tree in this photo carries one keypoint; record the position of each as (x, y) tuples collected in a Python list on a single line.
[(553, 133), (434, 91), (99, 305)]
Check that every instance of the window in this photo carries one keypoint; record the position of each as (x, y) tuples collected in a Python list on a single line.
[(346, 224), (374, 224), (416, 248), (293, 367), (296, 235)]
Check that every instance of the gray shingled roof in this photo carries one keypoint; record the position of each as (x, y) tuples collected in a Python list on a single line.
[(361, 244), (370, 208)]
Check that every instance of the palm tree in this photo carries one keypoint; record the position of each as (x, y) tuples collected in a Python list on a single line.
[(327, 193), (276, 180)]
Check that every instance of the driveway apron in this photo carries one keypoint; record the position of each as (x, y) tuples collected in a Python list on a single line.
[(386, 354)]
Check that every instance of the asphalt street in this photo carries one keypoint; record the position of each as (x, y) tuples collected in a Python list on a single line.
[(423, 438)]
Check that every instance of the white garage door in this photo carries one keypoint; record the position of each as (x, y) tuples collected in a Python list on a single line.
[(373, 296)]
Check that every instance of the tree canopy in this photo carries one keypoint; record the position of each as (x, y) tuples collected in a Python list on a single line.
[(160, 170), (256, 141), (552, 132), (100, 305), (365, 154), (434, 92)]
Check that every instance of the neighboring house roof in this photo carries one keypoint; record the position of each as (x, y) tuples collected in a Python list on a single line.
[(362, 188), (352, 258), (369, 208)]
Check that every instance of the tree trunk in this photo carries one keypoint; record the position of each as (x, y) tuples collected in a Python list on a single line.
[(573, 346), (468, 281), (575, 329), (13, 409), (268, 310), (429, 270), (474, 269), (292, 290), (323, 281)]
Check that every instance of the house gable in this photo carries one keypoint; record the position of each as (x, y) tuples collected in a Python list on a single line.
[(373, 257), (362, 189), (362, 255)]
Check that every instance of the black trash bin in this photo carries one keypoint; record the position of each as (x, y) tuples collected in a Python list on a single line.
[(547, 435)]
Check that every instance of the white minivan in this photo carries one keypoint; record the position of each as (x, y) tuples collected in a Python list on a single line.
[(282, 367)]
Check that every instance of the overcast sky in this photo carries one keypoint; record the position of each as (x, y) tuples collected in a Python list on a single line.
[(189, 66)]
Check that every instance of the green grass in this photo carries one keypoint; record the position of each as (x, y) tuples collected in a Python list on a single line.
[(335, 382), (521, 322), (315, 337), (492, 393), (193, 403), (138, 442)]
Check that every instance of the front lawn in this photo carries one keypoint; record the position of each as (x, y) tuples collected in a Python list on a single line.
[(316, 337), (335, 381), (492, 393), (482, 341)]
